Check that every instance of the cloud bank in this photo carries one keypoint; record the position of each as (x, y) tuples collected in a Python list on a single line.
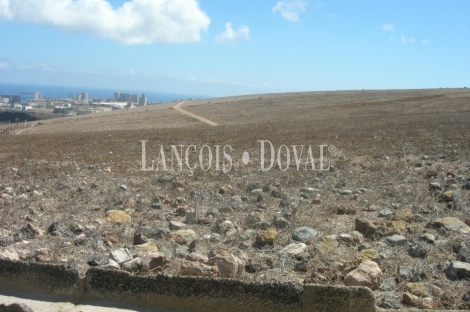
[(231, 36), (290, 10), (135, 22)]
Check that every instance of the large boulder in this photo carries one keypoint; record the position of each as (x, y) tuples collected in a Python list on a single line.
[(368, 274)]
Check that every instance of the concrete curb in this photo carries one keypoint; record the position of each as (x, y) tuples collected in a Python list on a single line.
[(187, 293)]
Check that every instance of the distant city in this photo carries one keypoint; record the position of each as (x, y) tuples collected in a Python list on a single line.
[(73, 105)]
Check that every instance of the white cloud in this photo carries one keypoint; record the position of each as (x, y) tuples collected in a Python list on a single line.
[(4, 64), (37, 66), (230, 36), (135, 22), (290, 10), (388, 27), (405, 40)]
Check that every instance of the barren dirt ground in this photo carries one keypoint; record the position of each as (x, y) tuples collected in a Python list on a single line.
[(396, 192)]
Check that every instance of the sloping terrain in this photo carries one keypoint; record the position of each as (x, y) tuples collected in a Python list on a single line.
[(395, 193)]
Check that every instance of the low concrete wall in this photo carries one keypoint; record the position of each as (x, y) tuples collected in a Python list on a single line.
[(188, 293)]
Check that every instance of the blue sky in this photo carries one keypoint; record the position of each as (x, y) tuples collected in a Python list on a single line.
[(221, 48)]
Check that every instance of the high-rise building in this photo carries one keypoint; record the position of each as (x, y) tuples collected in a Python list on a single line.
[(117, 95), (37, 96), (84, 96), (133, 98), (15, 99), (143, 100)]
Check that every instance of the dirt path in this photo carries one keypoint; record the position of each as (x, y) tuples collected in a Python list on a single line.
[(26, 128), (185, 112)]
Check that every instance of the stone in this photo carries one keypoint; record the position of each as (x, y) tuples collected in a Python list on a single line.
[(43, 255), (405, 272), (117, 216), (31, 231), (188, 235), (423, 289), (362, 256), (450, 196), (111, 265), (98, 259), (428, 237), (229, 265), (121, 255), (148, 262), (10, 255), (420, 250), (165, 178), (77, 228), (367, 274), (280, 222), (123, 187), (395, 240), (205, 220), (396, 227), (464, 254), (15, 307), (198, 268), (146, 248), (293, 249), (434, 186), (388, 284), (253, 218), (153, 232), (345, 192), (317, 200), (54, 227), (366, 227), (264, 237), (386, 213), (214, 238), (415, 301), (458, 270), (139, 239), (176, 226), (405, 214), (303, 234), (452, 224), (308, 190), (357, 237)]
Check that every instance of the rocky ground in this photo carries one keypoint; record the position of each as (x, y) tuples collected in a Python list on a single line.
[(395, 218)]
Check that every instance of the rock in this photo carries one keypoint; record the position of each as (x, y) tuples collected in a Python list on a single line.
[(450, 196), (405, 214), (366, 227), (229, 265), (149, 247), (205, 220), (15, 307), (117, 216), (395, 240), (158, 206), (176, 226), (43, 255), (98, 259), (198, 268), (139, 239), (77, 228), (214, 212), (280, 222), (396, 227), (414, 301), (388, 284), (236, 201), (148, 262), (328, 242), (452, 224), (346, 211), (214, 238), (264, 237), (345, 192), (405, 272), (153, 232), (254, 218), (188, 235), (10, 255), (111, 265), (308, 190), (368, 274), (428, 237), (464, 254), (458, 270), (121, 255), (54, 227), (434, 186), (316, 200), (419, 250), (293, 249), (386, 213), (303, 234), (423, 289), (362, 256), (31, 231), (165, 178), (123, 187)]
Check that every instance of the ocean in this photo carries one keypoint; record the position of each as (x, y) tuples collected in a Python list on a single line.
[(26, 92)]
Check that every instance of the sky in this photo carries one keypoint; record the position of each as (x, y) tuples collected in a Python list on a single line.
[(223, 48)]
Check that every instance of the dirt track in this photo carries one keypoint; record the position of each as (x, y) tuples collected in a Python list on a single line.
[(178, 108)]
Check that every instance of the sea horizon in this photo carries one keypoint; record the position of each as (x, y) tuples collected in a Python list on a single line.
[(59, 92)]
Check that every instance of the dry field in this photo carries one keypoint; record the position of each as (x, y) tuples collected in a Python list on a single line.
[(388, 151)]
